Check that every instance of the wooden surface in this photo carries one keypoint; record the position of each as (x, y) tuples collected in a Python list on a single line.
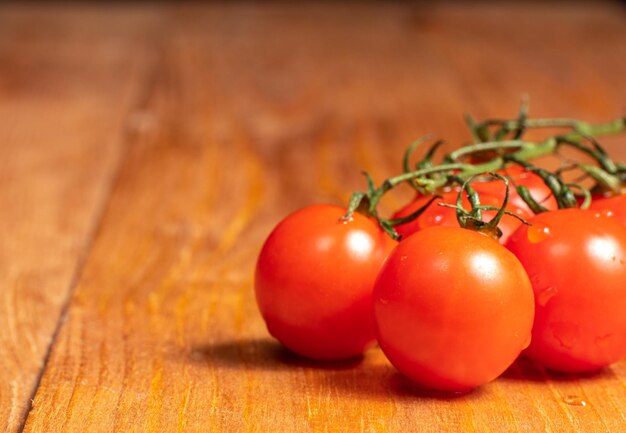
[(146, 152)]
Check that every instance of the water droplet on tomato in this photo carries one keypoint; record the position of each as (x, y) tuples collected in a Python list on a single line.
[(603, 340), (608, 213), (538, 232), (567, 334), (574, 400), (545, 295), (384, 301), (535, 279)]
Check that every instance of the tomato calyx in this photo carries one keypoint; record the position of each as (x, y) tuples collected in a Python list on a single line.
[(473, 219), (367, 202)]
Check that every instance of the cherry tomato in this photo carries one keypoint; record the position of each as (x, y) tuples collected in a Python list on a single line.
[(614, 207), (576, 261), (518, 176), (453, 308), (314, 281), (437, 215)]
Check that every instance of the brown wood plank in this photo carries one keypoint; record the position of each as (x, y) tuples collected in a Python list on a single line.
[(257, 111), (64, 88)]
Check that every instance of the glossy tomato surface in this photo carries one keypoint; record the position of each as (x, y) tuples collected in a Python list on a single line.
[(576, 261), (437, 215), (453, 308), (314, 280), (614, 207)]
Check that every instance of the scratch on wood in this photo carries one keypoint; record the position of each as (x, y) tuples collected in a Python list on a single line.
[(79, 375), (182, 413), (155, 402)]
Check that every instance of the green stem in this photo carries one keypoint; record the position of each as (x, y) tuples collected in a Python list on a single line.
[(391, 182), (579, 127), (521, 151), (529, 149), (561, 191), (606, 180), (585, 193), (406, 161), (464, 171), (593, 130), (489, 145), (414, 215), (602, 158)]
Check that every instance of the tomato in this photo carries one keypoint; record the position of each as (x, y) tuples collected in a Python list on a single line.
[(437, 215), (314, 280), (518, 176), (614, 207), (453, 308), (576, 261)]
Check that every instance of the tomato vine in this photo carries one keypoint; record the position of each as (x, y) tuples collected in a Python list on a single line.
[(502, 140)]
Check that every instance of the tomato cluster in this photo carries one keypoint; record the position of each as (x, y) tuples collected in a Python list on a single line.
[(452, 307)]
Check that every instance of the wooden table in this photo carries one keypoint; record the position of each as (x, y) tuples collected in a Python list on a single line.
[(147, 150)]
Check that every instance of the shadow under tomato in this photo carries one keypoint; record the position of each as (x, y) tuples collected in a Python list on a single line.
[(524, 369), (368, 377), (382, 382), (260, 354), (403, 386)]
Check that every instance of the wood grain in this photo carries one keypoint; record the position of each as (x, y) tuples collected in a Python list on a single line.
[(61, 115), (248, 113)]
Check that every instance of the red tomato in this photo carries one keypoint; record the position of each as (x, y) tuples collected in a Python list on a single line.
[(576, 261), (437, 215), (314, 281), (453, 308), (614, 207), (518, 176)]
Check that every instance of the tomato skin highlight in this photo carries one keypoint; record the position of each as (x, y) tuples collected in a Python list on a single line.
[(314, 281), (453, 308), (614, 207), (576, 263), (437, 215)]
